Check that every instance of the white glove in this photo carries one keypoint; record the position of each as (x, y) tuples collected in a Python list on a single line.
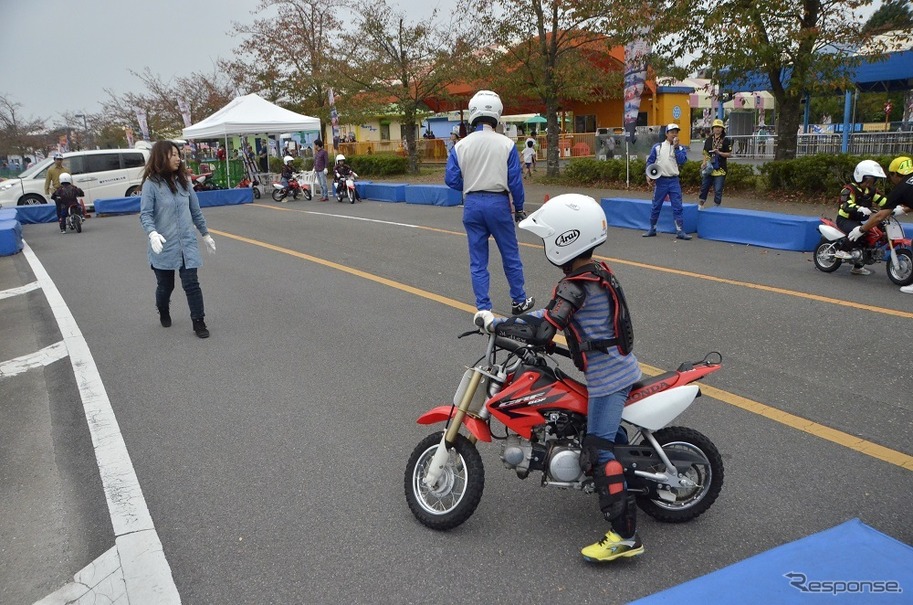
[(324, 170), (210, 243), (855, 234), (484, 320), (155, 241), (864, 211), (900, 210)]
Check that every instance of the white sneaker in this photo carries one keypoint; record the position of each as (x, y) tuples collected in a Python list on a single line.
[(843, 255), (907, 289), (860, 271)]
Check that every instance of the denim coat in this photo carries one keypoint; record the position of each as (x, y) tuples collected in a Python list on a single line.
[(173, 215)]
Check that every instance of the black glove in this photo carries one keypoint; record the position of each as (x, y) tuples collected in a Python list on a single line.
[(519, 215)]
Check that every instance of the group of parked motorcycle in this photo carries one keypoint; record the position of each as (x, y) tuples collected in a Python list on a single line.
[(301, 182)]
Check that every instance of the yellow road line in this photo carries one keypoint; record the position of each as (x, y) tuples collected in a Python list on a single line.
[(797, 422), (683, 273)]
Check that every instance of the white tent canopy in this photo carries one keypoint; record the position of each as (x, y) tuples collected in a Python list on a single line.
[(250, 114)]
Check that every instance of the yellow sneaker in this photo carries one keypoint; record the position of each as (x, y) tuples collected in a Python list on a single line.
[(612, 547)]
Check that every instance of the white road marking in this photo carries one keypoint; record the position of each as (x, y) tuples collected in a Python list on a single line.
[(147, 575), (45, 356), (20, 290)]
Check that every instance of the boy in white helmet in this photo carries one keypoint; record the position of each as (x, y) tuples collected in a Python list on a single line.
[(66, 195), (485, 166), (588, 304), (858, 201)]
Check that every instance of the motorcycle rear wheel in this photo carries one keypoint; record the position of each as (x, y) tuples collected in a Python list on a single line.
[(77, 221), (278, 194), (459, 488), (902, 273), (824, 256), (689, 503)]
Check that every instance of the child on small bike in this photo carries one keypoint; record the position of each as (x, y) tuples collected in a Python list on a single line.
[(65, 196), (341, 172)]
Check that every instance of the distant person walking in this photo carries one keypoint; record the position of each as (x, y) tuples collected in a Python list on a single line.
[(169, 211), (717, 149), (52, 178), (485, 166)]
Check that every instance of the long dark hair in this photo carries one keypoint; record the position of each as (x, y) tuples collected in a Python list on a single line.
[(158, 168)]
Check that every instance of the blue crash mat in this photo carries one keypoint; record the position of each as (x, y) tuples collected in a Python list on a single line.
[(10, 236), (848, 564), (385, 192), (433, 195), (38, 213), (635, 214), (758, 228)]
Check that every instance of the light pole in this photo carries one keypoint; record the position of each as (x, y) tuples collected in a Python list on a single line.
[(85, 127)]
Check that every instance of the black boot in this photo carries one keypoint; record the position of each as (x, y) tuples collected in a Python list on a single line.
[(165, 317), (199, 327)]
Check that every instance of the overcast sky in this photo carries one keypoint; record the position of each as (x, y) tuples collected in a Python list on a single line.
[(60, 56)]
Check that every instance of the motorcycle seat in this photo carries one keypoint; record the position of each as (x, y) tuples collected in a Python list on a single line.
[(652, 380)]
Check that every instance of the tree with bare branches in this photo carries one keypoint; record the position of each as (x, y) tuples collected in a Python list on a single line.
[(20, 135)]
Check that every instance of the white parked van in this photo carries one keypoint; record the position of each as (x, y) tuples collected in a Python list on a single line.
[(100, 173)]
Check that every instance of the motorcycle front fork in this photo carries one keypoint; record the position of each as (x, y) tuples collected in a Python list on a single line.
[(436, 466)]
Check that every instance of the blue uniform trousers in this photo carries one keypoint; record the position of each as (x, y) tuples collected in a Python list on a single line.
[(489, 214), (671, 186)]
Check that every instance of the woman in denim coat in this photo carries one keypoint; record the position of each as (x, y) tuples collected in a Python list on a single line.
[(169, 210)]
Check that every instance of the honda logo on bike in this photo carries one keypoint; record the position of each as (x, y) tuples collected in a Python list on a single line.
[(567, 238)]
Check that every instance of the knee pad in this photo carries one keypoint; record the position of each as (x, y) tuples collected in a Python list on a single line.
[(609, 479)]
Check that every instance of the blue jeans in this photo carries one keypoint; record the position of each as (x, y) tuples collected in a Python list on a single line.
[(190, 283), (671, 186), (484, 215), (322, 181), (717, 183), (604, 419)]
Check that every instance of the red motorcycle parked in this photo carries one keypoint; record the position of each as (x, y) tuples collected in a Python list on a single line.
[(884, 242), (676, 473)]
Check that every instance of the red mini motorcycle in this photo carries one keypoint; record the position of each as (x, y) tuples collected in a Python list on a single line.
[(676, 473), (885, 242)]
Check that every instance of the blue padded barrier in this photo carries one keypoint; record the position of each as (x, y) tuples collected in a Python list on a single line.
[(225, 197), (361, 187), (8, 214), (635, 214), (433, 195), (38, 213), (118, 205), (759, 228), (385, 192), (10, 236)]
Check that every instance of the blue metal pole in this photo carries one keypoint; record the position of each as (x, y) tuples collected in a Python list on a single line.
[(808, 111), (847, 108)]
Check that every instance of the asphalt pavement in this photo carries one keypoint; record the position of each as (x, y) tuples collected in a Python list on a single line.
[(271, 455)]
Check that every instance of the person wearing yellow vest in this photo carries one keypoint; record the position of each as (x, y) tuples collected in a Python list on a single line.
[(52, 179)]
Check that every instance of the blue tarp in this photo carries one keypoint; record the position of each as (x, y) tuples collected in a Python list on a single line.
[(848, 564), (10, 236)]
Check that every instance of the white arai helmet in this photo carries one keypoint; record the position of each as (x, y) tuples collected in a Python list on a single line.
[(569, 225)]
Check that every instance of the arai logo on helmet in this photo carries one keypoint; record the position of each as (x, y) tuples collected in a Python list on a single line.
[(567, 238)]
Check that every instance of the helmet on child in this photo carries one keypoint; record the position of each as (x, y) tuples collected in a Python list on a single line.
[(65, 178), (485, 104), (569, 225), (868, 168), (340, 158), (902, 166), (288, 159)]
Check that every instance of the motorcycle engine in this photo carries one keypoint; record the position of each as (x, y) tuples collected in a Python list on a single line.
[(554, 449)]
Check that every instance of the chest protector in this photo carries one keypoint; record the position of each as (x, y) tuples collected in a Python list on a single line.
[(569, 297)]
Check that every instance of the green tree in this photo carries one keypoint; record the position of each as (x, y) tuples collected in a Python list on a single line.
[(552, 51), (800, 47), (388, 59), (891, 15)]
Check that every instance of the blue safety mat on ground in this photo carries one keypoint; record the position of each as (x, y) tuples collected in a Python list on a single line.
[(225, 197), (385, 192), (10, 236), (848, 564), (118, 205), (38, 213), (635, 214), (433, 195)]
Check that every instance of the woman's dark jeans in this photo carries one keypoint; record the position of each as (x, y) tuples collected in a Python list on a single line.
[(717, 182), (190, 283)]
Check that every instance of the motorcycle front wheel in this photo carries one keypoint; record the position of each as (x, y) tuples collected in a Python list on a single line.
[(278, 194), (901, 273), (77, 221), (307, 194), (824, 256), (458, 490), (686, 503)]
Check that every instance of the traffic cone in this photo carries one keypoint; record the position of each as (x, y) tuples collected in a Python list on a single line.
[(546, 198)]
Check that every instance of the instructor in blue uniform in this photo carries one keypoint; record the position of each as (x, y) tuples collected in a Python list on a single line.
[(485, 166), (668, 156)]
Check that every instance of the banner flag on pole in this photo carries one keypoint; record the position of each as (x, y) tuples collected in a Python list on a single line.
[(636, 54), (143, 125)]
